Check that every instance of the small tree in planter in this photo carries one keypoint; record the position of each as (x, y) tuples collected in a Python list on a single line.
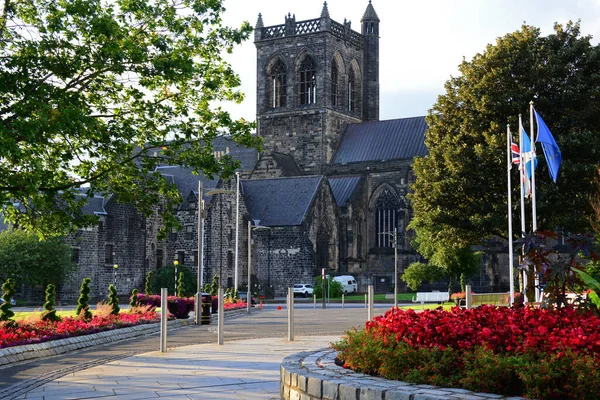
[(181, 285), (113, 300), (133, 300), (5, 308), (83, 301), (50, 313), (148, 287)]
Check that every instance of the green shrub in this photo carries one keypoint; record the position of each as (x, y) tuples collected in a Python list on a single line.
[(83, 307), (335, 288), (50, 313), (113, 299), (165, 278), (181, 286), (8, 287), (148, 286), (133, 300)]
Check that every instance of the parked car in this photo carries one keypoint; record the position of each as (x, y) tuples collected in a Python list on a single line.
[(244, 295), (348, 283), (303, 289)]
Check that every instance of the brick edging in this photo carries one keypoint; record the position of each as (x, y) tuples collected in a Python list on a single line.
[(14, 354), (315, 376)]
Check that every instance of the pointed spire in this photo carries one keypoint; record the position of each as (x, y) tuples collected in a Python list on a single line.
[(370, 14), (259, 22), (325, 11)]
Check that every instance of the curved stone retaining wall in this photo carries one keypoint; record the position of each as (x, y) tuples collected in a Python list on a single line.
[(314, 375)]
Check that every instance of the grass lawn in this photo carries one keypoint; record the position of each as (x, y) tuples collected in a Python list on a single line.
[(403, 297)]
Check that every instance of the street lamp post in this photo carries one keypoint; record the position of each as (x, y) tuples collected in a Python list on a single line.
[(115, 267), (175, 263), (237, 228), (250, 229)]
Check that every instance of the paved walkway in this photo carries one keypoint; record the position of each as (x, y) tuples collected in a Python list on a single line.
[(239, 369)]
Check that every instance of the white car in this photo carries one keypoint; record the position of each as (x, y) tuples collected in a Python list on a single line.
[(303, 289)]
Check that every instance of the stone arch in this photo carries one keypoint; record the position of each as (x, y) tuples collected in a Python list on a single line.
[(354, 87), (306, 72), (337, 71), (276, 71), (387, 211)]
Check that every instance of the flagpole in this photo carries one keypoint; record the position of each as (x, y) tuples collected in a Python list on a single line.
[(523, 176), (510, 233), (533, 205)]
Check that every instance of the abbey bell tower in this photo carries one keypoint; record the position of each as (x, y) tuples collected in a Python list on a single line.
[(313, 78)]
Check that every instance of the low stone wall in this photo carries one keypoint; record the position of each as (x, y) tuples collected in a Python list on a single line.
[(314, 375), (10, 355)]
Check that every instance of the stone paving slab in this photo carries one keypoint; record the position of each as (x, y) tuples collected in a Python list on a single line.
[(244, 369)]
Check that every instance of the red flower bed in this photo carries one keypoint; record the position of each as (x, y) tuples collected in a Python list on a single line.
[(499, 329), (43, 331), (531, 352)]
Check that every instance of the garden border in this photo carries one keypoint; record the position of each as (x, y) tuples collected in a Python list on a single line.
[(14, 354), (314, 375)]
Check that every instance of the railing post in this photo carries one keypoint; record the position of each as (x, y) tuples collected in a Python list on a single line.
[(220, 317), (163, 320), (290, 306), (468, 296)]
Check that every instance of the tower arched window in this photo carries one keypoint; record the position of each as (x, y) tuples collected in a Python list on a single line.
[(334, 84), (351, 91), (308, 81), (387, 212), (278, 84)]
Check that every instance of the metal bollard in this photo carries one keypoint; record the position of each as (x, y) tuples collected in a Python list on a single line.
[(163, 320), (290, 307), (220, 317), (315, 300), (197, 306), (366, 299), (468, 296), (342, 300), (371, 312)]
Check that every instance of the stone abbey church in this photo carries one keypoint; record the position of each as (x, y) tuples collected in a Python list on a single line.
[(327, 190)]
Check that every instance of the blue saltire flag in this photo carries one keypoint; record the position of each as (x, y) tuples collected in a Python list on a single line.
[(527, 156), (551, 150)]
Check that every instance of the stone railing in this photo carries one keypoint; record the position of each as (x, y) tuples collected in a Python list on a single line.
[(314, 375), (312, 26)]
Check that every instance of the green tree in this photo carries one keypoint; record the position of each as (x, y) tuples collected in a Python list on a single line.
[(165, 278), (83, 300), (459, 196), (419, 272), (32, 261), (113, 299), (49, 313), (101, 92), (335, 288)]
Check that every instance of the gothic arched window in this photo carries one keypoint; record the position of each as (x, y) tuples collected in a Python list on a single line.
[(278, 84), (351, 91), (387, 210), (308, 81), (334, 84)]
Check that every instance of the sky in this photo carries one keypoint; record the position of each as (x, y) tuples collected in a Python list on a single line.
[(422, 42)]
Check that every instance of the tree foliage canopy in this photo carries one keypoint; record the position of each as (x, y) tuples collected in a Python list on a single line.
[(29, 260), (99, 92), (460, 195)]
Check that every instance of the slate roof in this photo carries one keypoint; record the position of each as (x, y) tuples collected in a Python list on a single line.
[(382, 140), (281, 201), (187, 182), (343, 187), (247, 157), (94, 206), (287, 164)]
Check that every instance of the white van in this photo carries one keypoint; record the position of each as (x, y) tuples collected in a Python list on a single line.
[(348, 283)]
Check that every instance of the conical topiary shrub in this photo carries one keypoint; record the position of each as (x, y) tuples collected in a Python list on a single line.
[(6, 313), (84, 298), (113, 299), (50, 313), (180, 285), (133, 300), (148, 287)]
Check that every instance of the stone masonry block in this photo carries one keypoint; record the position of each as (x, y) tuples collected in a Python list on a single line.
[(315, 387)]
